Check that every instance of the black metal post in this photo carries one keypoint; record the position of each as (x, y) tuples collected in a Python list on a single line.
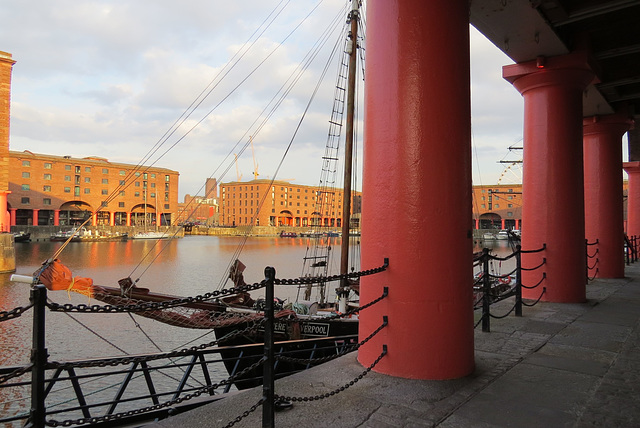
[(268, 415), (518, 281), (39, 357), (486, 291)]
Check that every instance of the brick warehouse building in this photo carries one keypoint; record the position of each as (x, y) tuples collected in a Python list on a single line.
[(283, 204), (497, 206), (62, 190)]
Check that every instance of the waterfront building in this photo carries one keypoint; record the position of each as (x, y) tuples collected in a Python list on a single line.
[(264, 202), (64, 190), (198, 210), (497, 206)]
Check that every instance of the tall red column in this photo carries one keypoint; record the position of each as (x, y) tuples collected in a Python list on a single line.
[(603, 192), (5, 226), (56, 217), (418, 157), (13, 212), (633, 198), (553, 179), (34, 219)]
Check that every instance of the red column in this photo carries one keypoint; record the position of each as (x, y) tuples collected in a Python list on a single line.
[(5, 226), (553, 179), (417, 104), (603, 192), (13, 212), (94, 219), (633, 198), (517, 224), (502, 225), (128, 218), (112, 218), (56, 217), (477, 223), (34, 219)]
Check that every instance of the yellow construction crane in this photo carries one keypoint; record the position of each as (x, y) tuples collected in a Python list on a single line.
[(238, 169), (255, 165)]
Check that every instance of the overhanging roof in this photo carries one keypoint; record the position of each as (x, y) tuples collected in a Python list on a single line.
[(526, 29)]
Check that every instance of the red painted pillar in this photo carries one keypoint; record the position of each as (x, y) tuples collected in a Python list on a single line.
[(477, 223), (603, 193), (128, 218), (417, 104), (5, 225), (112, 218), (56, 217), (517, 224), (553, 179), (34, 219), (633, 198), (502, 226), (13, 212)]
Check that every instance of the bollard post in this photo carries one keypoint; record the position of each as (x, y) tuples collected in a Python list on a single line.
[(268, 415), (486, 291), (518, 280), (39, 357)]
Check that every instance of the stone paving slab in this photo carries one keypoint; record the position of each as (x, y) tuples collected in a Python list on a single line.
[(560, 365)]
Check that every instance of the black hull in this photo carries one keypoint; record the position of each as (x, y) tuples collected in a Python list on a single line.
[(293, 339)]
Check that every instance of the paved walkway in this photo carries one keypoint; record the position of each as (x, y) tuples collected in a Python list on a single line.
[(560, 365)]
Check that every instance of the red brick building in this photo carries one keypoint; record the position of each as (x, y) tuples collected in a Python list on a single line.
[(63, 190), (280, 203)]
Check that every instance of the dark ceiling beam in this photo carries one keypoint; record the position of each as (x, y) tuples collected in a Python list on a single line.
[(595, 11), (619, 82), (612, 53)]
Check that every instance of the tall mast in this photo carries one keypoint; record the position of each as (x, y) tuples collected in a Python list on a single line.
[(348, 149)]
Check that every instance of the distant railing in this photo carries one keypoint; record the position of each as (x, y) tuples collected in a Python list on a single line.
[(490, 288), (631, 249), (592, 255)]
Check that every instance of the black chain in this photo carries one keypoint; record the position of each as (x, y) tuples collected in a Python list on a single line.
[(138, 359), (245, 413), (353, 311), (321, 279), (154, 306), (348, 349), (116, 416), (14, 313), (15, 373), (335, 391)]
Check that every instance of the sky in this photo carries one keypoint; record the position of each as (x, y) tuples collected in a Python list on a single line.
[(111, 78)]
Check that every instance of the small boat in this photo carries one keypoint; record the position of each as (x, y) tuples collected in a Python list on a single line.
[(503, 235), (311, 234), (488, 236), (84, 235), (284, 234), (21, 237), (149, 235)]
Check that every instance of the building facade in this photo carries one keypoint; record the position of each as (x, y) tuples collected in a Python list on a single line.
[(280, 203), (497, 206), (65, 191)]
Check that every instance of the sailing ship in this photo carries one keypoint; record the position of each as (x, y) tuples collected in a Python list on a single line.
[(238, 313)]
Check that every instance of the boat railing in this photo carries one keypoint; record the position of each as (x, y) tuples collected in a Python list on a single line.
[(490, 288)]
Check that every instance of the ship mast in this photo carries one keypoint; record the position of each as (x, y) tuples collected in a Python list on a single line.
[(348, 151)]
